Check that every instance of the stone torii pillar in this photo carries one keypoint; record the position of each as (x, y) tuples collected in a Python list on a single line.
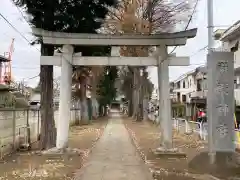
[(165, 116), (65, 97)]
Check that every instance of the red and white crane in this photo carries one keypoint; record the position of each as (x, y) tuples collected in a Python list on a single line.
[(6, 66)]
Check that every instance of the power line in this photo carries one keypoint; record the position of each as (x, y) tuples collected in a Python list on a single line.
[(16, 30), (189, 21), (33, 77), (199, 64), (199, 50), (14, 67)]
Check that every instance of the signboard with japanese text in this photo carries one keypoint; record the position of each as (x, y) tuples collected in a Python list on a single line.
[(220, 101)]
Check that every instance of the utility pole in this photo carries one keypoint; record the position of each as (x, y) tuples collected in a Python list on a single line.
[(22, 86), (212, 154), (210, 25)]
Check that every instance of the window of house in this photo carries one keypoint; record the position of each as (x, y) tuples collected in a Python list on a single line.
[(178, 96), (184, 98), (184, 85), (205, 76), (178, 85), (199, 85)]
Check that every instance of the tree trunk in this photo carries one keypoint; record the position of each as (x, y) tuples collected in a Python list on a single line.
[(84, 107), (130, 103), (145, 108), (129, 90), (100, 110), (93, 97), (94, 107), (105, 111), (135, 94), (48, 129), (140, 111)]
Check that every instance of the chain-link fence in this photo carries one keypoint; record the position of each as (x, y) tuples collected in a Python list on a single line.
[(21, 126)]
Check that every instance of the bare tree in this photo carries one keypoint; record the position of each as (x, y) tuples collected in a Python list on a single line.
[(143, 17)]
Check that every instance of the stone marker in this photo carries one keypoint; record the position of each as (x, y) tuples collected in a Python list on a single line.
[(220, 104)]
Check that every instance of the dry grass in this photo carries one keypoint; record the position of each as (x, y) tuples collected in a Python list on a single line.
[(29, 165), (147, 138)]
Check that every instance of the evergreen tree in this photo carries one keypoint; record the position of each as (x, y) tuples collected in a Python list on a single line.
[(77, 16), (106, 88)]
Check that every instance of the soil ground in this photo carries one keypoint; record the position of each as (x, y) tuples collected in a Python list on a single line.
[(30, 165), (146, 137)]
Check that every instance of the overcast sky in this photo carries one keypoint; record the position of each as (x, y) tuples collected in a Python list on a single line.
[(26, 58)]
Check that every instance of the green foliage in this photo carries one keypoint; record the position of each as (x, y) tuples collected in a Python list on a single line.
[(67, 15), (106, 88), (75, 16)]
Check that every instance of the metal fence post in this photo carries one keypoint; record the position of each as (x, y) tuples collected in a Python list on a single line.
[(201, 130), (204, 132), (38, 123), (187, 126), (14, 130), (177, 124), (28, 129), (76, 117)]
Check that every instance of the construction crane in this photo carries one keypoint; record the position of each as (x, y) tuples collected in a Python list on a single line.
[(6, 66)]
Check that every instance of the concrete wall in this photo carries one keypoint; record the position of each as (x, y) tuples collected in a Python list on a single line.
[(14, 129)]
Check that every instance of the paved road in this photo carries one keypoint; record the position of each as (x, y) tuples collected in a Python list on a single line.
[(114, 157)]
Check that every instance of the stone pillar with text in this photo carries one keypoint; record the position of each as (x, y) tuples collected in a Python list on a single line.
[(220, 105)]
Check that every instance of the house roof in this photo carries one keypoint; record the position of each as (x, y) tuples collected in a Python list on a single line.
[(218, 33), (202, 69), (230, 33), (184, 75)]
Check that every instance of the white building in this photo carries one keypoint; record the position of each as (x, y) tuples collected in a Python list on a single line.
[(191, 88), (229, 39), (183, 87), (194, 84)]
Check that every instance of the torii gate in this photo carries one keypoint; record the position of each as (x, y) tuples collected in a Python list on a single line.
[(69, 59)]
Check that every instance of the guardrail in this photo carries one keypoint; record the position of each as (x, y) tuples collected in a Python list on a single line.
[(188, 127), (201, 129)]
